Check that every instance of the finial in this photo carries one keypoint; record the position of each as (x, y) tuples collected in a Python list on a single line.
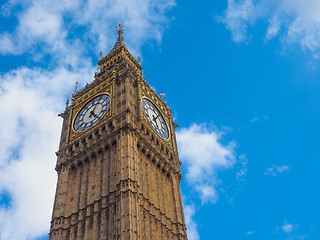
[(120, 29), (139, 59), (100, 55), (162, 94), (76, 88)]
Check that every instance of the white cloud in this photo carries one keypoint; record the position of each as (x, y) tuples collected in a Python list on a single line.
[(6, 45), (275, 170), (273, 28), (290, 227), (293, 21), (258, 119), (208, 193), (203, 154), (31, 98), (250, 232), (236, 17), (290, 231), (189, 212), (287, 227), (51, 23)]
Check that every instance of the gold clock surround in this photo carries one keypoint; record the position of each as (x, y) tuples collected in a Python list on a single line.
[(165, 118)]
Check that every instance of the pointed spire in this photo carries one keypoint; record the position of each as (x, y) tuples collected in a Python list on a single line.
[(119, 46), (120, 42), (120, 29)]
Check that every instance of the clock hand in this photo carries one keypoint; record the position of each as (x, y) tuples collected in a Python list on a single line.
[(154, 119), (94, 107), (92, 112)]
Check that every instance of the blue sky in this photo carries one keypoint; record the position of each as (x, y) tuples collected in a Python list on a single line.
[(241, 77)]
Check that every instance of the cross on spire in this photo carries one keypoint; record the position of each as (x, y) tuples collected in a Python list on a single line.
[(76, 88), (119, 43), (120, 29), (162, 94)]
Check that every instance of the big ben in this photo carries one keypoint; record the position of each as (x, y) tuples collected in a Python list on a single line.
[(117, 164)]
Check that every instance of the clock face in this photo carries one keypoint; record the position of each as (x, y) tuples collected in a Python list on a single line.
[(155, 118), (91, 113)]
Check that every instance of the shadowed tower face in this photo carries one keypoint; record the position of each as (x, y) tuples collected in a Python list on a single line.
[(118, 166)]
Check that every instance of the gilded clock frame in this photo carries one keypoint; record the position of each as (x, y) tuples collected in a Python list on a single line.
[(77, 112), (163, 114), (74, 135)]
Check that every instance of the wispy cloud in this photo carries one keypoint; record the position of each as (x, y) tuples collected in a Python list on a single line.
[(258, 119), (241, 174), (237, 17), (273, 28), (292, 22), (287, 227), (290, 231), (275, 170), (192, 231)]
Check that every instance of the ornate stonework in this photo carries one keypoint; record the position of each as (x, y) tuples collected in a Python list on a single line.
[(118, 179)]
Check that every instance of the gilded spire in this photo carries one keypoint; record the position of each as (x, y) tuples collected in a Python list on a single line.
[(120, 41), (76, 85), (120, 29), (118, 47)]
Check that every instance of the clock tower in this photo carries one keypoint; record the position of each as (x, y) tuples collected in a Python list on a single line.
[(118, 166)]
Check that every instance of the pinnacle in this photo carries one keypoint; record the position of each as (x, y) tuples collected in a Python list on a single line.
[(118, 46), (120, 41)]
